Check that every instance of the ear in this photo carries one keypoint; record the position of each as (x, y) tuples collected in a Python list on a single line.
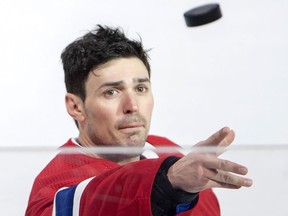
[(75, 107)]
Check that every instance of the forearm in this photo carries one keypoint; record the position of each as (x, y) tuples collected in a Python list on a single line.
[(165, 200)]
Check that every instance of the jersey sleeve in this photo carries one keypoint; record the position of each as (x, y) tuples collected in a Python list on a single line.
[(125, 190)]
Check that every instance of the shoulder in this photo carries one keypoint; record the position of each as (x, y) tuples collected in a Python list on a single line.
[(70, 143), (156, 140), (160, 141)]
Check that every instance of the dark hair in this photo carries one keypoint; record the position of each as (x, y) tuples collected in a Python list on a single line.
[(96, 48)]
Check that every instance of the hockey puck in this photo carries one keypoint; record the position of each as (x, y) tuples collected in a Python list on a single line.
[(202, 15)]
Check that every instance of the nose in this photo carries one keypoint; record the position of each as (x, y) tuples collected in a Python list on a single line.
[(130, 103)]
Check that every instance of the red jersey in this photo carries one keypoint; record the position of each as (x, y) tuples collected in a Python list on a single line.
[(93, 186)]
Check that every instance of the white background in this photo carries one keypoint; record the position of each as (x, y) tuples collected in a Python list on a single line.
[(231, 72)]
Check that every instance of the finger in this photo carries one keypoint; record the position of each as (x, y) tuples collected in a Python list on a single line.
[(228, 137), (221, 171), (213, 183), (231, 179), (224, 185), (212, 162), (222, 138), (227, 180)]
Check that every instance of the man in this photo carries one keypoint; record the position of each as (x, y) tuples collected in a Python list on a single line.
[(109, 96)]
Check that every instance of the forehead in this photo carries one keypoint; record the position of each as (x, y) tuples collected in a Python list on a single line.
[(122, 68)]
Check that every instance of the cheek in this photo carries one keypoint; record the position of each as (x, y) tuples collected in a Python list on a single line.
[(151, 102), (102, 114), (149, 106)]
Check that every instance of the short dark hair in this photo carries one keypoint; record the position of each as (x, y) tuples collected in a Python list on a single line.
[(94, 49)]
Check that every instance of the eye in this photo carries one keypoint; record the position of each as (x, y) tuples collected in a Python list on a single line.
[(110, 92), (141, 89)]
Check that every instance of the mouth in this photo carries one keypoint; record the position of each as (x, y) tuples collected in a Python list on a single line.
[(131, 125)]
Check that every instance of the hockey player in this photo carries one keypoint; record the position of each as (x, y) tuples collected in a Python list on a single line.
[(109, 96)]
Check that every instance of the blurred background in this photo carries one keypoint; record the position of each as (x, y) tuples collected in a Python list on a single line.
[(232, 72)]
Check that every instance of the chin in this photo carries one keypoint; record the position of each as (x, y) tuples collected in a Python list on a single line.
[(134, 139), (137, 141)]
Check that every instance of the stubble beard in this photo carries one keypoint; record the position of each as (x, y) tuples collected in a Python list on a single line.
[(136, 138)]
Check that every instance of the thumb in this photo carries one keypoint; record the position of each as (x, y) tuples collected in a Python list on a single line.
[(222, 138)]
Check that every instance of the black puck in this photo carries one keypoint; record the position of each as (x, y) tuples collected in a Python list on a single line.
[(202, 15)]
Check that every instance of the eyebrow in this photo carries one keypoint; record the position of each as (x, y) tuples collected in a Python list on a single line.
[(120, 82), (141, 80)]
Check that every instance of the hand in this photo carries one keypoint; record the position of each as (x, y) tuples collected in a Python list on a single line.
[(199, 171)]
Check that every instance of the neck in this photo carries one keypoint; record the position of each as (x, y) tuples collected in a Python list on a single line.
[(129, 160), (117, 158)]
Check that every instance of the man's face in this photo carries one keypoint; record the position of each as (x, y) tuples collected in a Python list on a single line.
[(118, 104)]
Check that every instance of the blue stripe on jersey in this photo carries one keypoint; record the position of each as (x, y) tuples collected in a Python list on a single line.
[(64, 201), (183, 207)]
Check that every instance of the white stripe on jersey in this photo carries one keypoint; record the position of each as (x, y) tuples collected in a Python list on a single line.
[(149, 153), (77, 195)]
